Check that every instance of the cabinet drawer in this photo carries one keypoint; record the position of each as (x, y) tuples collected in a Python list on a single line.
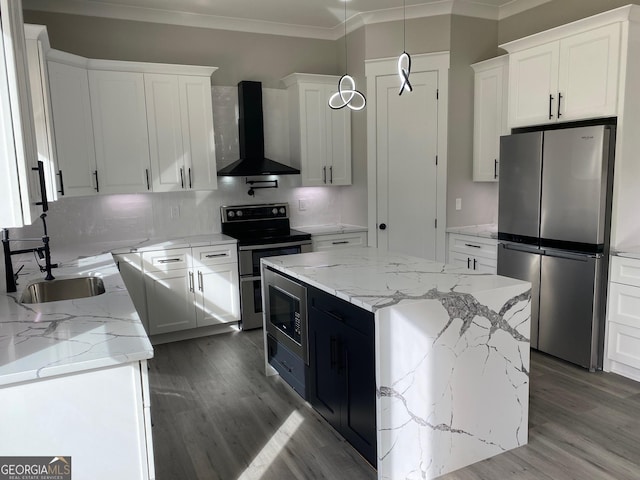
[(339, 240), (624, 305), (341, 310), (215, 255), (624, 344), (477, 263), (165, 260), (474, 246), (625, 270)]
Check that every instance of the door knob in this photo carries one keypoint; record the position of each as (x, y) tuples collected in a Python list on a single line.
[(382, 226)]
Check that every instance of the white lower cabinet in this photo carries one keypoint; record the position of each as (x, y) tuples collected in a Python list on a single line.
[(338, 240), (623, 318), (102, 421), (130, 268), (474, 253), (191, 287)]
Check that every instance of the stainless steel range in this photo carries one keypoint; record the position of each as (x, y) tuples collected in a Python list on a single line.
[(262, 231)]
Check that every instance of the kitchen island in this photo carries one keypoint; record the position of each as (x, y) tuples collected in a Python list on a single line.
[(451, 355)]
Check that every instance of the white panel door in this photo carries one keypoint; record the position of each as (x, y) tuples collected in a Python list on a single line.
[(533, 85), (407, 128), (170, 300), (488, 124), (25, 157), (338, 142), (165, 132), (120, 131), (588, 75), (218, 294), (313, 134), (73, 126), (41, 102), (197, 133)]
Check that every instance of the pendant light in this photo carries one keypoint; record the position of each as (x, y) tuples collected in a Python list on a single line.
[(404, 60), (347, 94)]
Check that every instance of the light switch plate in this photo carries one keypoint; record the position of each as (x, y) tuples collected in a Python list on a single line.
[(458, 204)]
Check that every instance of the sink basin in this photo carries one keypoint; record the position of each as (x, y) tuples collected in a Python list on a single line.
[(62, 289)]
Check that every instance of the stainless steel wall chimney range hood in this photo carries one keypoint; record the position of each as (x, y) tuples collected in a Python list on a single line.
[(251, 137)]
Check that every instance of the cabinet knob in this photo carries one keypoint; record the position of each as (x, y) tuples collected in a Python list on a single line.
[(382, 226)]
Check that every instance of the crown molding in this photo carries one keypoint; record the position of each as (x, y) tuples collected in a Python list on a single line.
[(471, 8)]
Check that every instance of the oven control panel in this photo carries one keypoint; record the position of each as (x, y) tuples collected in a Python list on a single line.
[(266, 211)]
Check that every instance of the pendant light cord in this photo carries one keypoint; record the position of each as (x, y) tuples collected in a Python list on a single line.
[(346, 53), (404, 26)]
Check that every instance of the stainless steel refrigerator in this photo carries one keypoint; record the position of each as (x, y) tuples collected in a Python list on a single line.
[(553, 230)]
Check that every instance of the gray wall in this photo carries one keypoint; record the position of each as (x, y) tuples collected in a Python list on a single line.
[(472, 40), (238, 55)]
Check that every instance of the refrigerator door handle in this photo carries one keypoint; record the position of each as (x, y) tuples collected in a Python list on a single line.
[(522, 248), (582, 257)]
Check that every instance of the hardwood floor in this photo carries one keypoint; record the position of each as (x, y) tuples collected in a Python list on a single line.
[(216, 416)]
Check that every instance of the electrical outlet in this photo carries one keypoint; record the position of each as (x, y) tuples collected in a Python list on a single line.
[(302, 204), (458, 204)]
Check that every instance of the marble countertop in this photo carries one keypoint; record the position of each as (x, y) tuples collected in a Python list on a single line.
[(489, 230), (57, 338), (630, 252), (373, 279), (331, 229)]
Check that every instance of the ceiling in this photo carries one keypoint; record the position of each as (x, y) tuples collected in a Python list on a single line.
[(304, 18)]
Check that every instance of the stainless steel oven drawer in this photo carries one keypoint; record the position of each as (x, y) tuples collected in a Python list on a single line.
[(290, 366)]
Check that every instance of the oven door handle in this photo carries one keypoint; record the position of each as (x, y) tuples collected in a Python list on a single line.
[(270, 246)]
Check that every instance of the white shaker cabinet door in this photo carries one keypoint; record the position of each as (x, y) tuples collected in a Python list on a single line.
[(338, 143), (197, 133), (588, 74), (217, 295), (120, 131), (73, 127), (20, 165), (165, 132), (313, 135), (533, 85), (170, 300)]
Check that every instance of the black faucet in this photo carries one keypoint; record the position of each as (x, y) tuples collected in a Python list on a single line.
[(43, 251)]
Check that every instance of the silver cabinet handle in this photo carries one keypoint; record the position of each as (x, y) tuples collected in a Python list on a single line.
[(340, 243), (472, 245), (216, 255), (169, 260), (191, 281), (200, 281)]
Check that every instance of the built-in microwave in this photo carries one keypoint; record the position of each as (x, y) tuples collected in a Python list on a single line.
[(286, 312)]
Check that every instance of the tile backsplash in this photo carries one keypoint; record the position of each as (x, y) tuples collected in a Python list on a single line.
[(104, 218)]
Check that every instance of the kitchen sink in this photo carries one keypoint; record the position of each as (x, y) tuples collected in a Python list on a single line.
[(62, 289)]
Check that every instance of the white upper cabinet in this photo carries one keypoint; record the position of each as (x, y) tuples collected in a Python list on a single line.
[(72, 124), (196, 113), (489, 116), (320, 136), (37, 46), (181, 141), (573, 77), (119, 117), (19, 174)]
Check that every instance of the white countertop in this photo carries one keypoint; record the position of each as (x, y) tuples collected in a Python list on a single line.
[(631, 252), (331, 229), (374, 279), (489, 230), (56, 338)]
